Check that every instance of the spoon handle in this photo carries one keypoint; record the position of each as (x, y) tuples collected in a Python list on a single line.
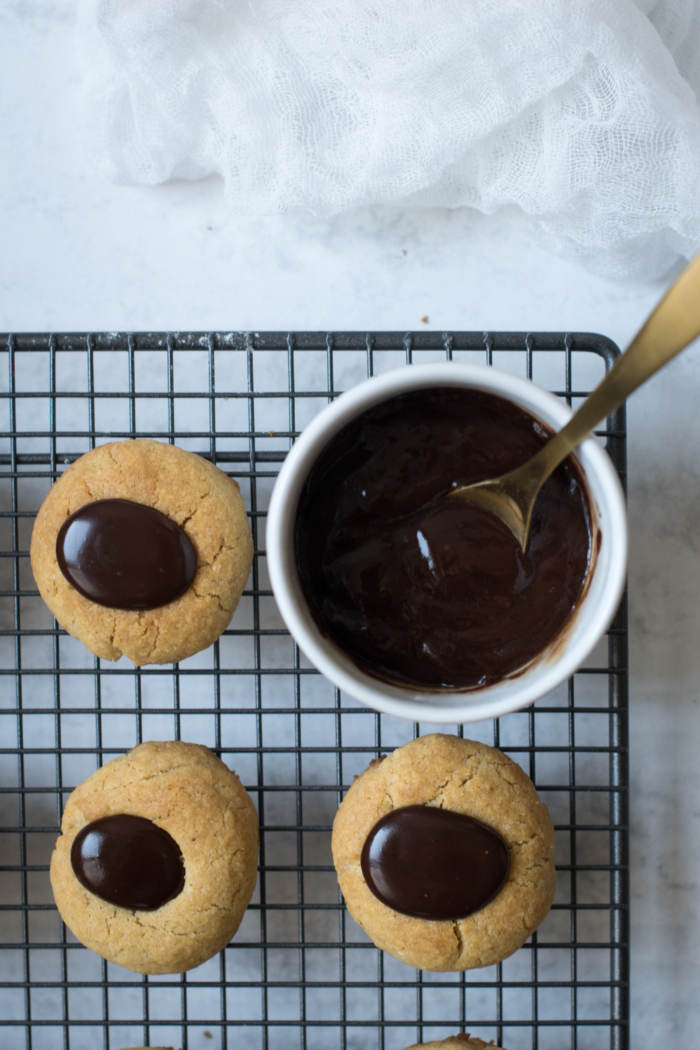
[(674, 323)]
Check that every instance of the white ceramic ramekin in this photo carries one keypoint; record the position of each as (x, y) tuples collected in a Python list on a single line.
[(550, 668)]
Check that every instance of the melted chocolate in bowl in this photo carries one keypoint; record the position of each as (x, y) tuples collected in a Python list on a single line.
[(434, 864), (125, 555), (128, 861), (428, 591)]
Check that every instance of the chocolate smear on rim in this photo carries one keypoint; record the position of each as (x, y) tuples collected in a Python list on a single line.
[(433, 863), (125, 555), (128, 861)]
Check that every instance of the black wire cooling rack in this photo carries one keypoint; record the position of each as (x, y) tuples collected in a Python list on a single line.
[(299, 972)]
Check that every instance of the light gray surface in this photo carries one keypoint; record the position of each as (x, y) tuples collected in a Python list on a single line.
[(77, 254)]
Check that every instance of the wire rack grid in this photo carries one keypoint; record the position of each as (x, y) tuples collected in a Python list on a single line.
[(299, 972)]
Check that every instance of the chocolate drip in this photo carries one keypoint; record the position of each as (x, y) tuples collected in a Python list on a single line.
[(422, 589), (434, 864), (125, 555), (128, 861)]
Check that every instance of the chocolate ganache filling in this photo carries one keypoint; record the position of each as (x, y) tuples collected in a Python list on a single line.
[(434, 864), (430, 591), (125, 555), (128, 861)]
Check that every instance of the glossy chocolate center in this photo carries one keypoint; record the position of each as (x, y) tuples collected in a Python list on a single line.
[(422, 589), (128, 861), (125, 555), (434, 864)]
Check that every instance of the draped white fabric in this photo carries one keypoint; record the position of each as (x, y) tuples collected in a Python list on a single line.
[(583, 113)]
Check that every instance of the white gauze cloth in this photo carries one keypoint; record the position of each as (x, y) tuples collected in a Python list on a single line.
[(583, 113)]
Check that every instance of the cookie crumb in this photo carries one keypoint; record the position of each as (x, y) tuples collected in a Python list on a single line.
[(425, 319)]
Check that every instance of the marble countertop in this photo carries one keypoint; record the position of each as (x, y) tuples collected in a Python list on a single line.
[(77, 253)]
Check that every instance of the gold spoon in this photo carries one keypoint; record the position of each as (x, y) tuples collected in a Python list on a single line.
[(674, 323)]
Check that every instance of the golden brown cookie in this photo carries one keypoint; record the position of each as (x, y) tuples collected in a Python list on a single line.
[(461, 1041), (189, 490), (190, 793), (464, 777)]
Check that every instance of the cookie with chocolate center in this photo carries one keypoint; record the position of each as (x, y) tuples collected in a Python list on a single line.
[(445, 854), (157, 858), (142, 549)]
